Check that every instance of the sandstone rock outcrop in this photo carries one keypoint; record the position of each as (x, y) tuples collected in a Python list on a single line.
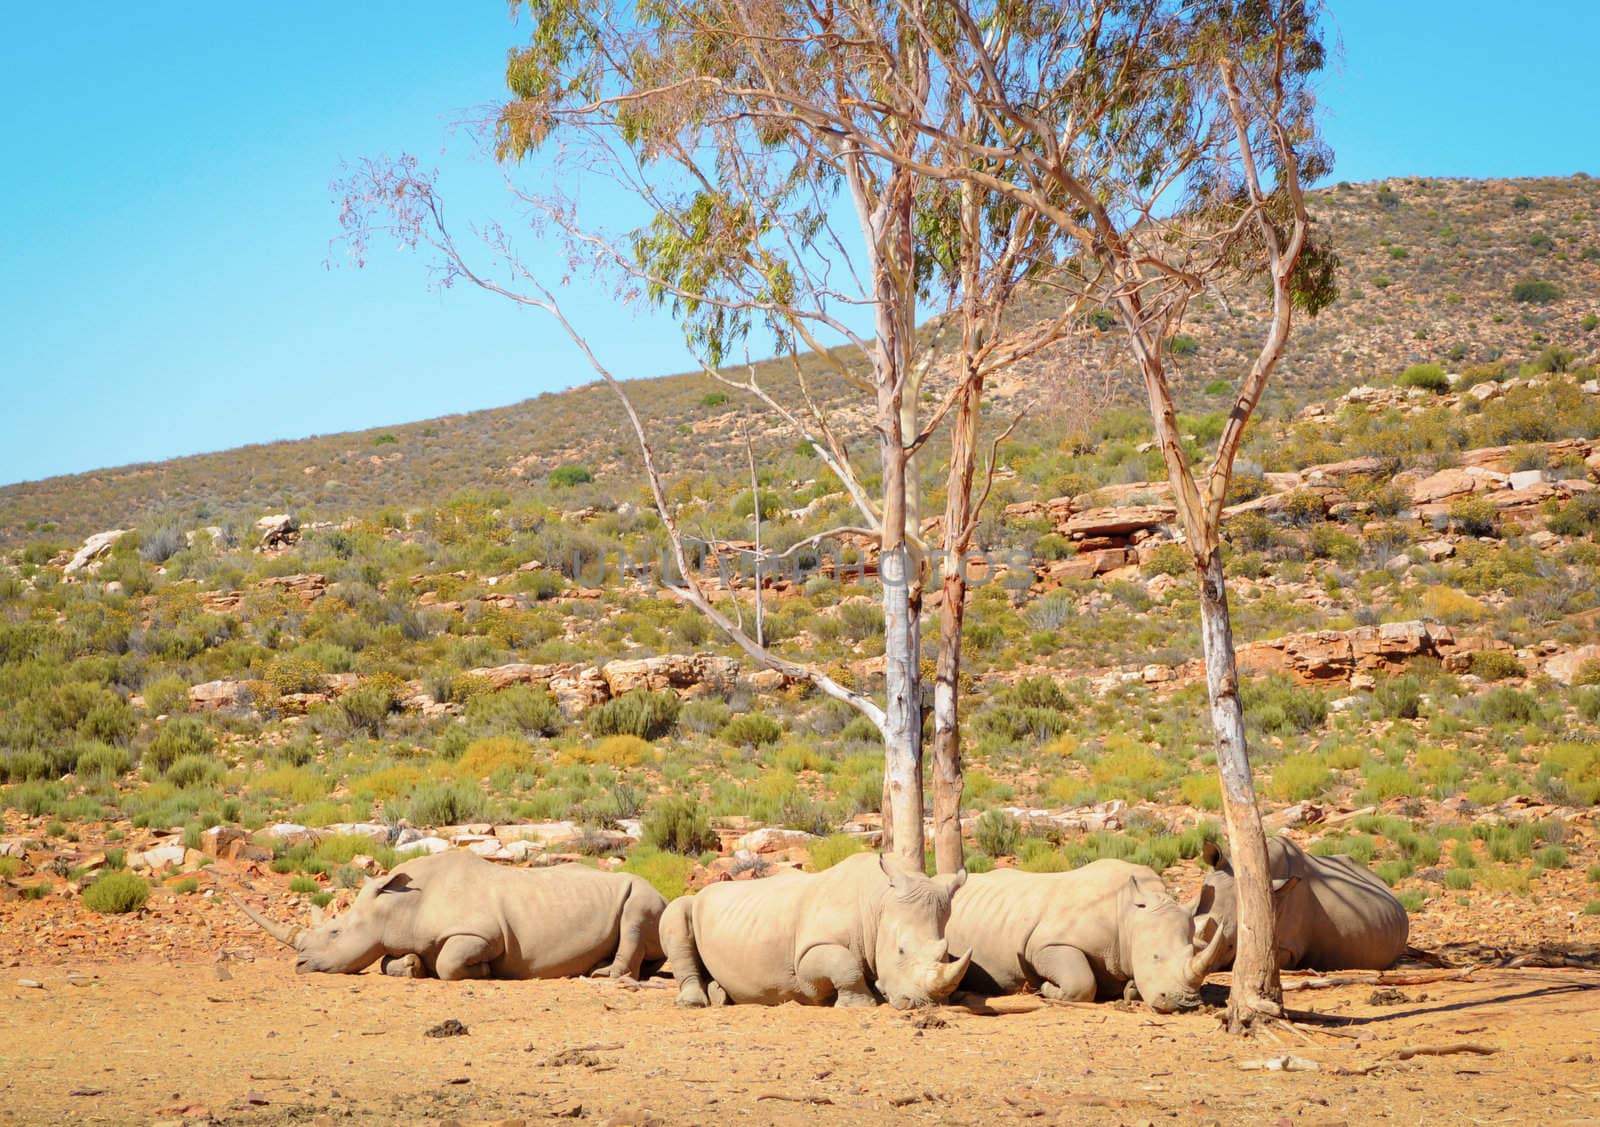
[(1336, 655)]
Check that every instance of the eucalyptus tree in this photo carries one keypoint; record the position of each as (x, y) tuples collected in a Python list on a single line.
[(1169, 143), (776, 197)]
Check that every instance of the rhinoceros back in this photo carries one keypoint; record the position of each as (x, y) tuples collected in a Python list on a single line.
[(1341, 916), (1004, 914)]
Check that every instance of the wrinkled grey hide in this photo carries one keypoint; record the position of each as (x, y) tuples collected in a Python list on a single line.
[(869, 928), (1080, 935), (1333, 913), (456, 915)]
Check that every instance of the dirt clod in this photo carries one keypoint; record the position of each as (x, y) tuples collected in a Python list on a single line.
[(450, 1027)]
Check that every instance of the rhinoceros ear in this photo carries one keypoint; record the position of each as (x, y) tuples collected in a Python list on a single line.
[(394, 882), (1136, 895), (1204, 933), (1213, 855), (1283, 886)]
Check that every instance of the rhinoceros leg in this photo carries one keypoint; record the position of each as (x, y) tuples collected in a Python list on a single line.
[(677, 938), (1066, 973), (639, 936), (832, 971), (404, 966), (465, 956)]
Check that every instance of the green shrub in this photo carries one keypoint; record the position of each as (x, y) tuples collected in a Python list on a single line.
[(1399, 698), (116, 893), (1474, 516), (1458, 880), (1504, 880), (1393, 872), (834, 848), (1588, 705), (1202, 790), (667, 872), (1430, 377), (103, 762), (368, 705), (1304, 508), (1184, 345), (1577, 767), (175, 738), (713, 399), (638, 712), (515, 710), (1299, 777), (446, 804), (194, 770), (1251, 532), (997, 833), (1168, 559), (1496, 665), (1533, 291), (304, 885), (287, 674), (1280, 707), (705, 716), (1389, 782), (751, 729), (1505, 705), (565, 477), (678, 824), (1578, 517), (1551, 857), (1592, 874)]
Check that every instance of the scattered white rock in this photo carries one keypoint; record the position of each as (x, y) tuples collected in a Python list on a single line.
[(770, 839), (160, 857), (93, 548)]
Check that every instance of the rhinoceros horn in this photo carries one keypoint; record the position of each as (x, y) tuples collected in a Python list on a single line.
[(948, 976), (1207, 942), (286, 934)]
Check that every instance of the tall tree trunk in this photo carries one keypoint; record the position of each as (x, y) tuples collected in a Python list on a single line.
[(902, 729), (949, 854), (1256, 988), (898, 567)]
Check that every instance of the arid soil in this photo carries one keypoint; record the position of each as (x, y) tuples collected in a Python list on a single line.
[(244, 1040)]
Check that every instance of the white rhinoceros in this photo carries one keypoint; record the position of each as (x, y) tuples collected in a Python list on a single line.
[(1333, 913), (456, 915), (1081, 935), (870, 928)]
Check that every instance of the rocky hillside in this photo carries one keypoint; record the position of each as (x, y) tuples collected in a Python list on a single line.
[(1464, 273)]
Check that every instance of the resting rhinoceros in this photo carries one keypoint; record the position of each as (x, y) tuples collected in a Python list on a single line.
[(1332, 913), (1081, 935), (869, 928), (460, 916)]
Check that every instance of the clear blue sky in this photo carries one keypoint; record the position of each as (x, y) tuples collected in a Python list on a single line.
[(167, 215)]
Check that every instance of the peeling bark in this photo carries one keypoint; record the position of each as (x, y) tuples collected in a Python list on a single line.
[(1256, 988)]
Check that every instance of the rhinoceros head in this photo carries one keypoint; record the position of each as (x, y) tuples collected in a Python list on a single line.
[(1167, 956), (913, 961), (349, 943), (1217, 906)]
